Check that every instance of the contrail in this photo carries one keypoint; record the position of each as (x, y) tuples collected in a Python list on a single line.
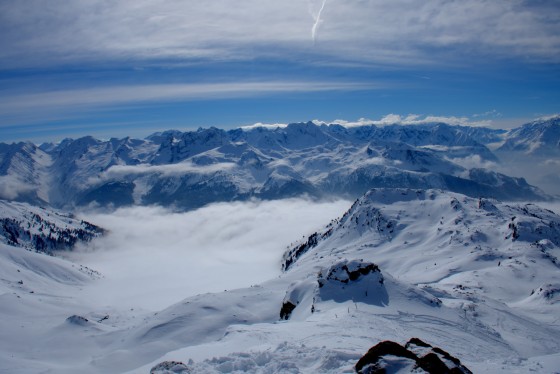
[(317, 21)]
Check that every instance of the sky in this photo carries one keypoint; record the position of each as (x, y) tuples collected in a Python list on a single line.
[(133, 67)]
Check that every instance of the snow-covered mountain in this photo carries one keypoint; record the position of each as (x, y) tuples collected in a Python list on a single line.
[(425, 262), (475, 277), (42, 229), (186, 170), (24, 172), (538, 138), (533, 151)]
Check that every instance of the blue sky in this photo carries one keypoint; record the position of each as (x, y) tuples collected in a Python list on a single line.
[(132, 67)]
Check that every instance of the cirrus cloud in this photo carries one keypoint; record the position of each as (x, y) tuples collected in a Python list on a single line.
[(50, 103), (398, 31)]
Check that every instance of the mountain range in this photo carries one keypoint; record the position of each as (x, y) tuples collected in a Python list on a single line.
[(186, 170)]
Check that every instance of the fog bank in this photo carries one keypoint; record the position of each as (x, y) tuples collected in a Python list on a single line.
[(152, 257)]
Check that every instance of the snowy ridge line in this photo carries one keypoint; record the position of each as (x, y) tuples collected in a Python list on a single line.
[(372, 218), (527, 222)]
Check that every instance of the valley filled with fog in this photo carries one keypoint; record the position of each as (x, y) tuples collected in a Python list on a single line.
[(152, 257)]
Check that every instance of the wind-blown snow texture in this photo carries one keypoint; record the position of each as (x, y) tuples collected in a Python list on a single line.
[(186, 170)]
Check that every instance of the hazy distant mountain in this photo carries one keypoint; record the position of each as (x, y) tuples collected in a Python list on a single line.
[(538, 138), (24, 172), (533, 151)]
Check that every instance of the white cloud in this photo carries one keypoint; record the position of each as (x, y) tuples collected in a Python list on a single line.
[(11, 187), (394, 31), (548, 117), (551, 162), (474, 162), (264, 125), (116, 95), (152, 257), (181, 168), (389, 119), (491, 113), (410, 119), (316, 17)]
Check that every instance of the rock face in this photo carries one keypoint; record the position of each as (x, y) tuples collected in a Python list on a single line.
[(349, 271), (416, 355), (356, 280), (77, 320), (287, 309)]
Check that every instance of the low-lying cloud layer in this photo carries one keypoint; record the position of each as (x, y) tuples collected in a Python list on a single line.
[(152, 258), (93, 97), (167, 170), (11, 187)]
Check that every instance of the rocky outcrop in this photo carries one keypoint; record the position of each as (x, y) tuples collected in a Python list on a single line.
[(170, 367), (355, 280), (416, 355)]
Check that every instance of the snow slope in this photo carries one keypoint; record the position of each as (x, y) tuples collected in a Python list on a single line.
[(476, 277), (36, 293)]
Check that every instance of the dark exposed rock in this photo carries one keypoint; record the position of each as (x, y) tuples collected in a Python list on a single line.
[(427, 358), (287, 309), (170, 367), (371, 358), (432, 364), (293, 254), (350, 271), (417, 342), (77, 320)]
